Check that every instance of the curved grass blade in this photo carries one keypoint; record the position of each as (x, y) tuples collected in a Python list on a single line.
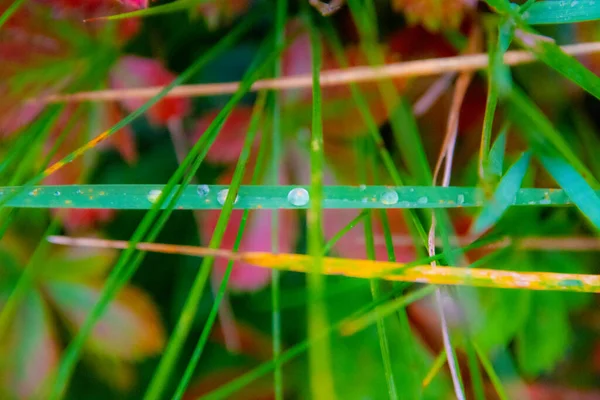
[(578, 190), (504, 195), (562, 12)]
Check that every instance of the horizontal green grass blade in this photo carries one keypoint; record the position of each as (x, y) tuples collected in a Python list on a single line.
[(562, 12), (503, 196), (206, 197)]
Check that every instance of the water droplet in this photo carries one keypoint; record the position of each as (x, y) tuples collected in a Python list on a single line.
[(461, 199), (222, 196), (57, 193), (298, 197), (362, 188), (390, 197), (203, 190), (79, 191), (422, 200), (153, 195), (545, 201)]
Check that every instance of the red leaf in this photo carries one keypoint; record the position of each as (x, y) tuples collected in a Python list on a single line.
[(133, 72)]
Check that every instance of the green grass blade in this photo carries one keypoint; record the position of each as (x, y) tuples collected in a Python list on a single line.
[(143, 197), (503, 196), (184, 324), (321, 368), (130, 259), (540, 133), (280, 22), (227, 390), (381, 328), (357, 324), (489, 370), (226, 42), (495, 164), (562, 12), (10, 11), (552, 55), (578, 190), (335, 238), (175, 6), (219, 231)]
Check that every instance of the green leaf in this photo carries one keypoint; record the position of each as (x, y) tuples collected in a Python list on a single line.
[(562, 12), (504, 196), (496, 158), (546, 335), (578, 190), (552, 55), (540, 133)]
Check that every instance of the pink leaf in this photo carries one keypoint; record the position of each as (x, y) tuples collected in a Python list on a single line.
[(130, 329), (135, 72), (257, 237)]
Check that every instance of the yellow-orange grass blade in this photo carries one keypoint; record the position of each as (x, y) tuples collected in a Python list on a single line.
[(368, 269)]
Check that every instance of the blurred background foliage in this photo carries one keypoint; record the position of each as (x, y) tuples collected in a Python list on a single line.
[(545, 343)]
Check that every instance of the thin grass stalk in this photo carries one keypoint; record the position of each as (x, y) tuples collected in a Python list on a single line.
[(130, 260), (335, 238), (475, 369), (381, 330), (177, 340), (437, 365), (375, 285), (489, 370), (320, 364), (447, 155), (220, 293), (417, 272), (490, 110), (407, 69), (280, 22)]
